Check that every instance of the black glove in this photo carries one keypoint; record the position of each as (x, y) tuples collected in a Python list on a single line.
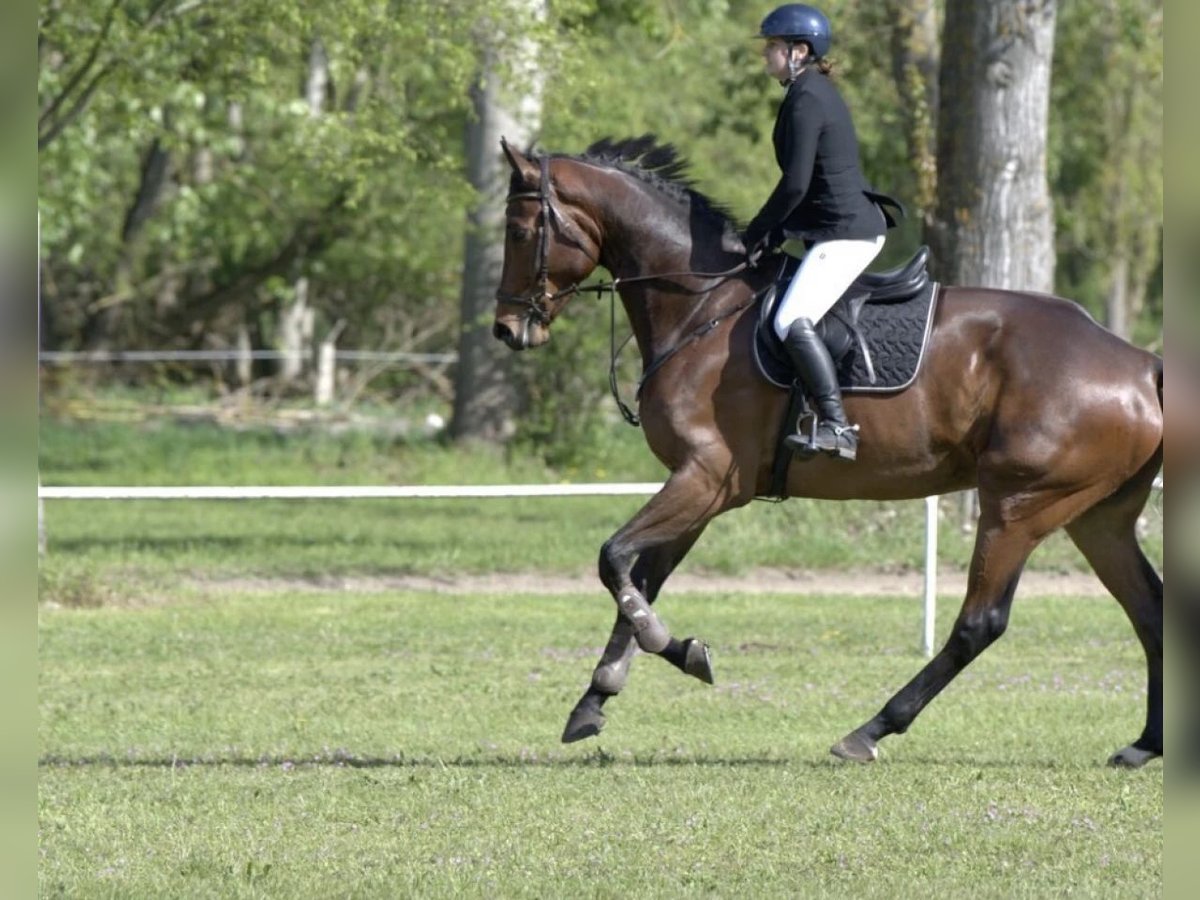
[(755, 247)]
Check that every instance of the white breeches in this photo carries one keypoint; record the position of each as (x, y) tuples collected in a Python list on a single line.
[(827, 269)]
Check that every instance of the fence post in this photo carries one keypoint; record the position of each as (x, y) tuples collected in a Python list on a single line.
[(243, 364), (931, 536), (327, 365)]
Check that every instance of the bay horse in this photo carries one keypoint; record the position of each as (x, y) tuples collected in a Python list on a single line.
[(1057, 422)]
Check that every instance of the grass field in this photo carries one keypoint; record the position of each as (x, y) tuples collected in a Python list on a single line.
[(101, 550), (201, 740), (406, 745)]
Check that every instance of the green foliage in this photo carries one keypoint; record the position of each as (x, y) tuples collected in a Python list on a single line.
[(368, 197), (1106, 156), (251, 168), (406, 744)]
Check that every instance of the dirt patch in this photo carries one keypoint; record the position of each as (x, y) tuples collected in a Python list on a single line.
[(758, 581)]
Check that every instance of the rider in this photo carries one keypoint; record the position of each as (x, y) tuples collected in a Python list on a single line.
[(821, 199)]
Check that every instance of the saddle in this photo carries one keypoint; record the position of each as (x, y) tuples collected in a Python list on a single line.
[(876, 332)]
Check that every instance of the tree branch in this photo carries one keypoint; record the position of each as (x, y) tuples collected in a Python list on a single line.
[(155, 166), (50, 123), (45, 138), (77, 77)]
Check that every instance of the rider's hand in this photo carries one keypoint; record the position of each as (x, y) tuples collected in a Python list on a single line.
[(755, 247)]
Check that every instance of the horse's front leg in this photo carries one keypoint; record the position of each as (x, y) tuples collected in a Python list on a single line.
[(611, 673), (634, 563)]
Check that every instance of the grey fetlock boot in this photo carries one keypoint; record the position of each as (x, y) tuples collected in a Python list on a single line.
[(815, 370)]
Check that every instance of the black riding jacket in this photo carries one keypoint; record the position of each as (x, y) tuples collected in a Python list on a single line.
[(821, 194)]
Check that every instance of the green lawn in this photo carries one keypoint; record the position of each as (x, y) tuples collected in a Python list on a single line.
[(100, 550), (201, 740), (272, 745)]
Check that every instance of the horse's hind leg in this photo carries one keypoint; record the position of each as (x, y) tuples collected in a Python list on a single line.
[(649, 573), (1011, 524), (1106, 535), (1000, 554)]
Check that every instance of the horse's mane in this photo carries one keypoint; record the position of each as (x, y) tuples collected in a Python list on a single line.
[(659, 166)]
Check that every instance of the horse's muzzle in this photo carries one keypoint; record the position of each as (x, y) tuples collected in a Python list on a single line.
[(502, 332), (521, 333)]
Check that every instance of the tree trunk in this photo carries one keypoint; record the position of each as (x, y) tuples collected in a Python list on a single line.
[(1117, 301), (995, 226), (295, 332), (485, 400), (104, 324)]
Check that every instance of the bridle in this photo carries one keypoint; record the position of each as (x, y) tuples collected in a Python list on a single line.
[(536, 300), (548, 215)]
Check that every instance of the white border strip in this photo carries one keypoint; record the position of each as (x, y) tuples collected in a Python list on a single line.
[(348, 492)]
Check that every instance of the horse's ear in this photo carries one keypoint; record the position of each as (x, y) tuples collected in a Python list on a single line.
[(520, 164)]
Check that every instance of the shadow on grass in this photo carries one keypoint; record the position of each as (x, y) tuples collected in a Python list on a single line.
[(344, 760), (596, 759)]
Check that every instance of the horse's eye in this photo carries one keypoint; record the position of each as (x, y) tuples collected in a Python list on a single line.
[(518, 233)]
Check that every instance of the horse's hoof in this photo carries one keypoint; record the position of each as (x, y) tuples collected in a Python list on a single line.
[(1132, 758), (856, 748), (697, 662), (582, 723)]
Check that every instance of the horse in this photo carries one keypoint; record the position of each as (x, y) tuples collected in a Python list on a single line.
[(1054, 420)]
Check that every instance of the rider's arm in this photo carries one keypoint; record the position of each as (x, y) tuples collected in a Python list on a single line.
[(800, 127)]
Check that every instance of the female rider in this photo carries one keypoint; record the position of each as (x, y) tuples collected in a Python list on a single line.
[(821, 199)]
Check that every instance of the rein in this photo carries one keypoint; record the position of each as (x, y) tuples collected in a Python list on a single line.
[(658, 362), (536, 301), (615, 352)]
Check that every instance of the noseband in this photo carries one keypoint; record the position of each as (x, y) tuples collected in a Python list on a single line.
[(536, 301)]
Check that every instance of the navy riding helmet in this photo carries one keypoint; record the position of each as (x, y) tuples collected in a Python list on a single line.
[(798, 22)]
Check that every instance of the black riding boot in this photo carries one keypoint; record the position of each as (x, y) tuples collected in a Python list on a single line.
[(811, 360)]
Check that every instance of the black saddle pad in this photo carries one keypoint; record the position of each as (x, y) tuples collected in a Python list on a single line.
[(896, 333)]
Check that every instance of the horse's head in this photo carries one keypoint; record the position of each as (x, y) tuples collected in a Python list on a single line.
[(547, 251)]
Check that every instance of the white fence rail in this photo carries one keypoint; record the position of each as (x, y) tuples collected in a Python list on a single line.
[(349, 492)]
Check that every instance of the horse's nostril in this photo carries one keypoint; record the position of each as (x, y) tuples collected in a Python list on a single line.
[(502, 332)]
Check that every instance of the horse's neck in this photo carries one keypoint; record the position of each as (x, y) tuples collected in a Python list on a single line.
[(638, 246)]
